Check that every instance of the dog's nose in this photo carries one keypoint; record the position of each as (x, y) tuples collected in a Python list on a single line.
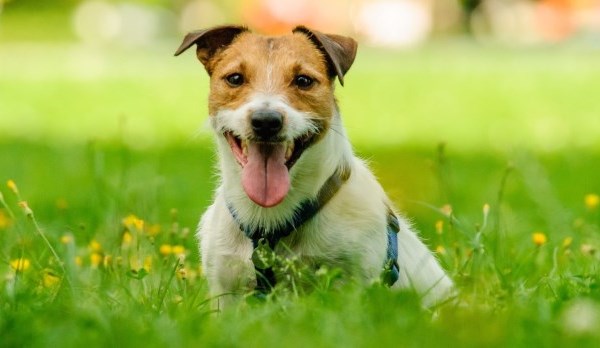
[(266, 123)]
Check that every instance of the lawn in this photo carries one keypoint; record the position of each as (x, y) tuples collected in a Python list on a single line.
[(110, 151)]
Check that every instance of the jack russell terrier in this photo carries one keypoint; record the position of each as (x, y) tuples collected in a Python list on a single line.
[(291, 186)]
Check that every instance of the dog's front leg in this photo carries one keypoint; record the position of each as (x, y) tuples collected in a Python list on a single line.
[(226, 258)]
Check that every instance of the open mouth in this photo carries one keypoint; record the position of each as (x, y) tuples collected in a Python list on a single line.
[(266, 166), (293, 149)]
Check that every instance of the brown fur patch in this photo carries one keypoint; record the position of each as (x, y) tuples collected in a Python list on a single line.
[(269, 65)]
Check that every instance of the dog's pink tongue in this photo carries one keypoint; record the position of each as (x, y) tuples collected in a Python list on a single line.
[(265, 176)]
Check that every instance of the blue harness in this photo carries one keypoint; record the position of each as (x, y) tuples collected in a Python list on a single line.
[(265, 276)]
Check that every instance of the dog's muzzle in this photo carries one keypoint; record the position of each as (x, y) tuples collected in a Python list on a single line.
[(266, 124), (266, 156)]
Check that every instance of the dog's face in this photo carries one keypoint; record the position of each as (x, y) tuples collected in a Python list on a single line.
[(270, 98)]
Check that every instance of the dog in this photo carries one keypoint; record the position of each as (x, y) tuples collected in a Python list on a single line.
[(290, 184)]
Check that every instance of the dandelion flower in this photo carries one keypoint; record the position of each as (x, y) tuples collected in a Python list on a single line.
[(95, 259), (66, 239), (127, 238), (440, 250), (12, 186), (539, 238), (148, 263), (179, 250), (165, 249), (95, 246), (20, 264), (4, 221), (133, 221), (153, 230), (592, 201), (439, 226)]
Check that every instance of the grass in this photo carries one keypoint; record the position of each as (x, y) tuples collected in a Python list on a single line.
[(102, 147)]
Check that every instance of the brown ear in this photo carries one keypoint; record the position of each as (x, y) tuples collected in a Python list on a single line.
[(209, 41), (339, 50)]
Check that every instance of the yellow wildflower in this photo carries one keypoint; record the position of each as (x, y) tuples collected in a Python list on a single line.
[(165, 250), (567, 242), (66, 239), (440, 250), (4, 220), (139, 224), (148, 263), (539, 238), (95, 246), (50, 279), (153, 230), (20, 264), (592, 201), (446, 210), (439, 226), (133, 221), (178, 250), (127, 238), (12, 186), (95, 259)]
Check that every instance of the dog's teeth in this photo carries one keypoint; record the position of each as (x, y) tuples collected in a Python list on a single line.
[(289, 151), (245, 148)]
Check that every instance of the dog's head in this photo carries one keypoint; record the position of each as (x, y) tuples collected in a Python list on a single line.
[(271, 98)]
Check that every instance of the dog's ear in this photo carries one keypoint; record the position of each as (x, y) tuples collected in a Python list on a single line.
[(340, 51), (210, 41)]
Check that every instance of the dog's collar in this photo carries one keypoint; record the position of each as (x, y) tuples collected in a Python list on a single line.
[(304, 212)]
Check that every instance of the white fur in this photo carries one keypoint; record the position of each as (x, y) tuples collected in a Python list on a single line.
[(352, 223)]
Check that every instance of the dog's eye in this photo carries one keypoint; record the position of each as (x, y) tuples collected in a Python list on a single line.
[(235, 79), (303, 81)]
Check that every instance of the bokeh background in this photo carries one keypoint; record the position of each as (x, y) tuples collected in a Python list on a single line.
[(436, 65)]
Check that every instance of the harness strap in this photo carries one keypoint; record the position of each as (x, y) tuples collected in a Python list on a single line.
[(391, 269), (263, 239), (265, 277)]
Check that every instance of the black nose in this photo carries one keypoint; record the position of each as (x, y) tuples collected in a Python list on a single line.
[(266, 123)]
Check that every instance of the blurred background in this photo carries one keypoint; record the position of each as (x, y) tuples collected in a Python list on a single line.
[(92, 98), (441, 61), (388, 23)]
